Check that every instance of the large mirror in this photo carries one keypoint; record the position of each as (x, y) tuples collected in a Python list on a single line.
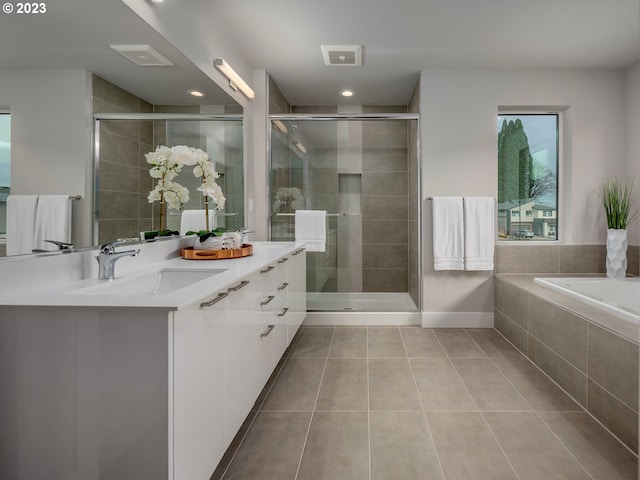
[(58, 71)]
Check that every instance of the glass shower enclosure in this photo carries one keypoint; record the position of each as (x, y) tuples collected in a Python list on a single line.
[(363, 170)]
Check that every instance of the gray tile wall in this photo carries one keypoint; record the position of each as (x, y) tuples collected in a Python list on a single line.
[(124, 176), (563, 259), (598, 368)]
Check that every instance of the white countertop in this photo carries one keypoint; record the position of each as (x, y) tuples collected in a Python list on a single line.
[(65, 295)]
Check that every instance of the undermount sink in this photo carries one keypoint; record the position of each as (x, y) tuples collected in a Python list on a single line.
[(159, 282)]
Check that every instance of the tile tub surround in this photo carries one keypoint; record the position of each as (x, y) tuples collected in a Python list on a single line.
[(377, 403), (577, 346), (520, 257)]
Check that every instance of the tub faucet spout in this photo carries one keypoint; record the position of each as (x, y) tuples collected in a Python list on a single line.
[(108, 256)]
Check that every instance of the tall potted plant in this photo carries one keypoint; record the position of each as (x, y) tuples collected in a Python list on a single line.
[(616, 197)]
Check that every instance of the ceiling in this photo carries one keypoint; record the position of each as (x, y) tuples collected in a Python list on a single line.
[(399, 38)]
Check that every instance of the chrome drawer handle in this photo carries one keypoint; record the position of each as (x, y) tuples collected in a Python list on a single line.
[(268, 269), (298, 252), (267, 301), (282, 260), (267, 331), (283, 312), (243, 283), (215, 300), (283, 286)]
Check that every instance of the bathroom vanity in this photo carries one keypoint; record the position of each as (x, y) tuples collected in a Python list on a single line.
[(147, 376)]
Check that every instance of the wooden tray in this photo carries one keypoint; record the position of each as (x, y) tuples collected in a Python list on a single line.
[(191, 253)]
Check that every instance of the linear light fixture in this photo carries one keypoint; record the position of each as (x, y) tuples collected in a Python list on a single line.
[(235, 81)]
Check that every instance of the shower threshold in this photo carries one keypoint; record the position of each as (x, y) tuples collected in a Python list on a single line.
[(360, 302)]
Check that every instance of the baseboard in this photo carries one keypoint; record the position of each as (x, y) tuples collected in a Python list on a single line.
[(457, 319)]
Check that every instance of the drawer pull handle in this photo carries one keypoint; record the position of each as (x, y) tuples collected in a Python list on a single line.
[(298, 252), (283, 286), (267, 331), (283, 312), (267, 300), (215, 300), (268, 269), (243, 283), (282, 260)]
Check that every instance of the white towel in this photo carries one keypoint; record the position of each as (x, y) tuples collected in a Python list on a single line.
[(194, 220), (479, 233), (448, 242), (311, 229), (53, 221), (21, 217)]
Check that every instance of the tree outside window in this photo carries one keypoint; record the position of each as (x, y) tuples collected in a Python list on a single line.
[(527, 176)]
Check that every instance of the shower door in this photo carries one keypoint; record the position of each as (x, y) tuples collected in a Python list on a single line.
[(363, 173)]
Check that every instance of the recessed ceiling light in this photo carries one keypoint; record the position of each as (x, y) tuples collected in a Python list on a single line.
[(196, 93), (347, 93), (157, 1)]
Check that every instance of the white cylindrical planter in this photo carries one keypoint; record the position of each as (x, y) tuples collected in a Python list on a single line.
[(616, 253)]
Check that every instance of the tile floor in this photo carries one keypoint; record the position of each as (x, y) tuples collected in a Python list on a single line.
[(403, 403)]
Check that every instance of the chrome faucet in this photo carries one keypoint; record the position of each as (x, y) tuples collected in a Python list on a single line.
[(108, 256)]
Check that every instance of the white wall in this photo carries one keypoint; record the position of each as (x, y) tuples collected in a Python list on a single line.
[(459, 155), (51, 136), (632, 102)]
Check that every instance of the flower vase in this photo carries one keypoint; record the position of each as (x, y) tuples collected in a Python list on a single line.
[(616, 253)]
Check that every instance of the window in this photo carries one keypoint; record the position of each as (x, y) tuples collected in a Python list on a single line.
[(5, 168), (528, 175)]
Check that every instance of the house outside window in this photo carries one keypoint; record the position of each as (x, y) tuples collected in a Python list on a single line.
[(528, 159)]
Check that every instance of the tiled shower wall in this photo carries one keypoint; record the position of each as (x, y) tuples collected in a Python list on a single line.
[(124, 176)]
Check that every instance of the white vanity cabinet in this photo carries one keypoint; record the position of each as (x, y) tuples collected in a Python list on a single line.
[(112, 387), (225, 349), (198, 377)]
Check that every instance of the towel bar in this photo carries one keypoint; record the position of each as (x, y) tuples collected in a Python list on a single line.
[(328, 214)]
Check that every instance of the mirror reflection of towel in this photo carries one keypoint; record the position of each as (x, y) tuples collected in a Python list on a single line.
[(193, 220), (21, 216), (53, 221)]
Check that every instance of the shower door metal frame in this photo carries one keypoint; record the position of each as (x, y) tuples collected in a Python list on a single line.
[(355, 116)]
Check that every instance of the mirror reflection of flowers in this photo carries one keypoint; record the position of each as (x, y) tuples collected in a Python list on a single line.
[(166, 164), (288, 199)]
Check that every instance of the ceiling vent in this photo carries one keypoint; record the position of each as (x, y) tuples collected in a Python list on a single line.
[(143, 55), (342, 55)]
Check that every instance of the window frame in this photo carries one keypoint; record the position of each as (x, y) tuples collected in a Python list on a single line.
[(558, 229)]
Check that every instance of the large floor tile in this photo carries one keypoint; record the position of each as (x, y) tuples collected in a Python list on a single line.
[(458, 344), (466, 448), (344, 385), (421, 343), (401, 447), (272, 448), (314, 342), (385, 342), (536, 388), (596, 450), (440, 386), (534, 452), (391, 385), (349, 342), (296, 388), (337, 447), (488, 387), (493, 344)]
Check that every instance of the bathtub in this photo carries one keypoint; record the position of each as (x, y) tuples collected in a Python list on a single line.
[(619, 297)]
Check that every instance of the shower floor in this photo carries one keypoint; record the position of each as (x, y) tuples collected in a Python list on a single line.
[(360, 302)]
